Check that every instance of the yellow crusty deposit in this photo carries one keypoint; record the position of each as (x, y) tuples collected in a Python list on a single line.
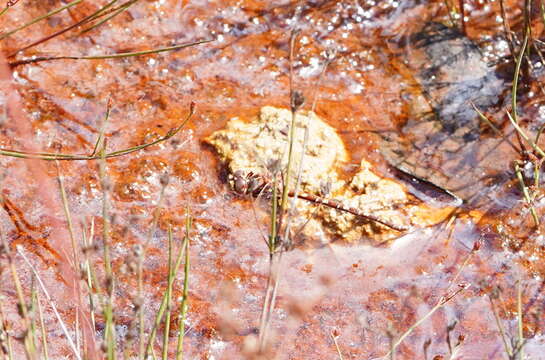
[(260, 146)]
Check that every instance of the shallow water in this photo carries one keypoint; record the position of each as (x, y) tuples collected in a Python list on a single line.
[(358, 291)]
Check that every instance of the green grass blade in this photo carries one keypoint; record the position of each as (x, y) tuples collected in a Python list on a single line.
[(40, 18), (122, 8)]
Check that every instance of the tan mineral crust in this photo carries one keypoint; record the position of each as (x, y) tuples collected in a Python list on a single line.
[(260, 147)]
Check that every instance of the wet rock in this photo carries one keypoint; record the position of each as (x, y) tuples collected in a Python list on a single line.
[(368, 206), (454, 74)]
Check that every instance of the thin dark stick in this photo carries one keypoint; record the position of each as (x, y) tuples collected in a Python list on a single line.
[(254, 184), (337, 205)]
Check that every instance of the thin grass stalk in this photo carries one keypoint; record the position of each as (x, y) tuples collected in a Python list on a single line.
[(294, 108), (100, 12), (330, 56), (272, 246), (5, 339), (76, 261), (88, 243), (99, 144), (9, 5), (503, 335), (43, 333), (507, 30), (108, 56), (520, 323), (442, 301), (339, 353), (263, 321), (140, 312), (516, 76), (68, 216), (521, 132), (109, 333), (518, 63), (185, 297), (274, 215), (526, 194), (295, 191), (77, 332), (272, 288), (494, 127), (392, 348), (22, 306), (32, 327), (276, 256), (121, 8), (40, 18), (164, 301), (57, 156), (166, 335), (52, 303), (140, 277)]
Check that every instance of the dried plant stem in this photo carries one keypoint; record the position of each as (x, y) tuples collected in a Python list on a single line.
[(516, 76), (114, 13), (503, 335), (5, 338), (109, 332), (22, 305), (494, 127), (521, 132), (168, 296), (45, 351), (442, 301), (520, 323), (40, 18), (294, 108), (526, 194), (276, 245), (108, 56), (32, 328), (140, 272), (52, 303), (337, 346), (507, 29), (4, 10), (89, 273), (185, 293), (67, 214), (57, 156), (100, 12)]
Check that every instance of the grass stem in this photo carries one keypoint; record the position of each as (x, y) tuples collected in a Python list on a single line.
[(40, 18), (71, 343), (73, 157), (184, 304), (108, 56)]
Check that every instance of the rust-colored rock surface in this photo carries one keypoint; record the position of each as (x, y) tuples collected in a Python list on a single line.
[(334, 298)]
